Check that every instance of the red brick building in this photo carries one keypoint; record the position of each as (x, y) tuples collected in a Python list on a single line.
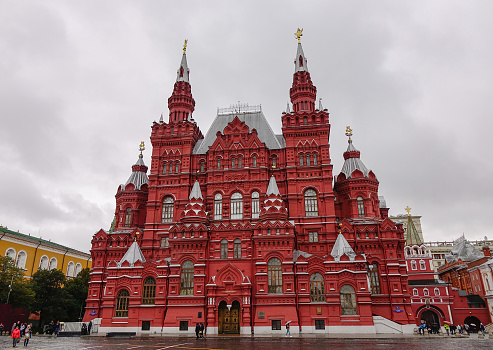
[(245, 230), (445, 300)]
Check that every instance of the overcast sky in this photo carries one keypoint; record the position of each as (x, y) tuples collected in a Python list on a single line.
[(82, 82)]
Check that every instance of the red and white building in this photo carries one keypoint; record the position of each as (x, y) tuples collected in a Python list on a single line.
[(245, 230)]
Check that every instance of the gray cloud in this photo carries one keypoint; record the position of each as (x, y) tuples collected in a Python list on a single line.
[(82, 82)]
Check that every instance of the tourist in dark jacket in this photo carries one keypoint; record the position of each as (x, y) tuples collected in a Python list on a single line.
[(197, 330)]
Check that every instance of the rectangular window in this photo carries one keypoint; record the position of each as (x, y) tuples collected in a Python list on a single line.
[(319, 324), (255, 208), (146, 325), (164, 242), (183, 325), (313, 236), (276, 325)]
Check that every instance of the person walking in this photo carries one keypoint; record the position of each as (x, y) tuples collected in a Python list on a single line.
[(27, 334), (197, 330), (1, 328), (89, 328), (481, 327), (287, 329), (16, 336), (466, 327), (447, 328), (202, 330), (57, 328)]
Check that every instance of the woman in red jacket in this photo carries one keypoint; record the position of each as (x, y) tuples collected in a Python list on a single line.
[(16, 336)]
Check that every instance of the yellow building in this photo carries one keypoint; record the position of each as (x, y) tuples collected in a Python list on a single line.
[(31, 253)]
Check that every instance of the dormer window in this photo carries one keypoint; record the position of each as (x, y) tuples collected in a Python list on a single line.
[(181, 72), (301, 61)]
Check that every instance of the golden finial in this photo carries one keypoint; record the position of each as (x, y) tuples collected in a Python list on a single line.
[(349, 132), (299, 34), (136, 235), (408, 210), (141, 147), (185, 47)]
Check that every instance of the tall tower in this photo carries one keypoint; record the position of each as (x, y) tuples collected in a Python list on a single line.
[(308, 166), (181, 103)]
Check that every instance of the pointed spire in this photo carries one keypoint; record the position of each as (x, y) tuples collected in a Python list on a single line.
[(341, 247), (161, 121), (133, 255), (352, 159), (195, 193), (139, 172), (412, 235), (320, 107), (300, 64), (273, 206), (288, 109), (183, 72), (272, 188), (303, 93), (195, 208), (181, 103)]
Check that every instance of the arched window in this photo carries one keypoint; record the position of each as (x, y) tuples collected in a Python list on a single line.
[(70, 269), (121, 309), (317, 288), (425, 292), (422, 265), (218, 206), (10, 253), (348, 300), (255, 205), (275, 276), (301, 160), (236, 206), (414, 266), (361, 207), (168, 205), (233, 163), (311, 203), (237, 249), (305, 120), (149, 291), (301, 61), (274, 161), (437, 291), (78, 269), (415, 292), (315, 159), (240, 159), (43, 263), (186, 287), (224, 249), (177, 167), (254, 161), (53, 263), (164, 168), (128, 217), (21, 260), (373, 277), (308, 161), (218, 163), (202, 166)]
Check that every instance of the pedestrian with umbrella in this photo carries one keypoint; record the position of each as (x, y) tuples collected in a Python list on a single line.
[(287, 329)]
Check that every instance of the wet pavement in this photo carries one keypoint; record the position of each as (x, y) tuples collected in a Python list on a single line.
[(247, 342)]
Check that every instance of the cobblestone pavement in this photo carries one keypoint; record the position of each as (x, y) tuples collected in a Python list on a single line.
[(249, 343)]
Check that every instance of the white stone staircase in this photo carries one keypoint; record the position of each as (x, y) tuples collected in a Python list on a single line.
[(386, 326)]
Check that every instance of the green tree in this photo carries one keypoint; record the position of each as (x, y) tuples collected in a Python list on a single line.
[(12, 280), (51, 298), (77, 289)]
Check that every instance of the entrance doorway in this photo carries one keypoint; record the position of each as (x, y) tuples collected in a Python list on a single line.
[(229, 319), (473, 323), (432, 320)]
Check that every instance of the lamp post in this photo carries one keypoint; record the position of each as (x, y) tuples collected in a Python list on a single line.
[(10, 288)]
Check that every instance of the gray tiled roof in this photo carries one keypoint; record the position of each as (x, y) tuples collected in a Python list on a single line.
[(138, 178), (254, 120)]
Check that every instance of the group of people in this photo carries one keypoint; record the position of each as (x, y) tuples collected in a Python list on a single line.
[(200, 330), (451, 329), (21, 330), (85, 329)]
